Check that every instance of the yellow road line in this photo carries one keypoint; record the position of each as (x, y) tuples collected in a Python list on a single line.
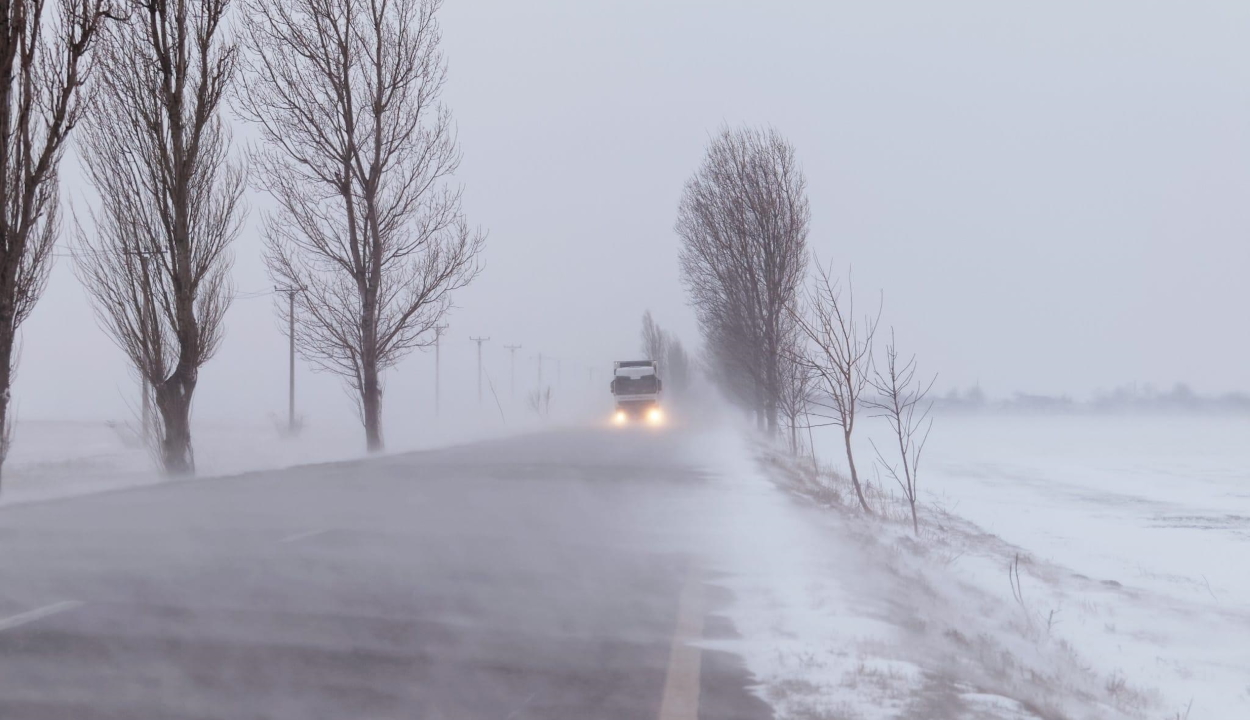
[(681, 685)]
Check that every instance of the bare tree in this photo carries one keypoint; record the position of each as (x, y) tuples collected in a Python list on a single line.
[(841, 358), (743, 223), (540, 401), (157, 151), (797, 385), (731, 364), (667, 350), (677, 370), (45, 58), (358, 154), (903, 401), (654, 339)]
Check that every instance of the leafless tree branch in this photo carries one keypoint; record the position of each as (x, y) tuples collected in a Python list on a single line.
[(841, 358), (743, 223), (45, 59), (797, 390), (157, 262), (903, 401), (358, 154), (654, 339)]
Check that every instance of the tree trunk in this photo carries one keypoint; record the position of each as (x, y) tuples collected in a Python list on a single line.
[(370, 383), (850, 460), (770, 392), (915, 524), (759, 407), (794, 436), (173, 399), (371, 406), (6, 380)]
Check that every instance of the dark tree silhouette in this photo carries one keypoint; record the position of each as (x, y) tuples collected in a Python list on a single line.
[(743, 223), (359, 152), (45, 58), (155, 147)]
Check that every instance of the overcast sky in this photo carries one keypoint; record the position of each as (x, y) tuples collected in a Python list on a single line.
[(1052, 196)]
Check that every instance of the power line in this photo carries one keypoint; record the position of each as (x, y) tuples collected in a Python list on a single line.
[(75, 254), (253, 294)]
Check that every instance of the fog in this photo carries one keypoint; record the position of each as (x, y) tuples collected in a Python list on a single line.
[(1051, 199)]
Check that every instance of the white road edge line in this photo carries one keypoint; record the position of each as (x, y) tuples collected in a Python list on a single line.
[(681, 683), (304, 535), (38, 613)]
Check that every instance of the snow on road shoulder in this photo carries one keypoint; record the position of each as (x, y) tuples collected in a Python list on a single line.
[(802, 601), (843, 617), (53, 459)]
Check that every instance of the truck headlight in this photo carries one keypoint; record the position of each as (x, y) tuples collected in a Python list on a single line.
[(620, 417), (655, 416)]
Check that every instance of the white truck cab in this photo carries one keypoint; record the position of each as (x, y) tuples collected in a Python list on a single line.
[(636, 387)]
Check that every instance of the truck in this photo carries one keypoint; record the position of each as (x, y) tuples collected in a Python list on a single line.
[(636, 388)]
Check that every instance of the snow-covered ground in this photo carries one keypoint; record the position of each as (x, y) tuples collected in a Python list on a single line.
[(53, 458), (1128, 536), (1157, 509), (61, 458)]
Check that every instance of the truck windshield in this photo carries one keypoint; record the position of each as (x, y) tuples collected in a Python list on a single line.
[(623, 385)]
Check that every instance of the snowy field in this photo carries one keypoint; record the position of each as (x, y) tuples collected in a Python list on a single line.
[(61, 458), (1156, 508), (1143, 499), (52, 459), (1128, 535)]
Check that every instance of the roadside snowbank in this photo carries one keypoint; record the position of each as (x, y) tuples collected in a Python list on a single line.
[(843, 616)]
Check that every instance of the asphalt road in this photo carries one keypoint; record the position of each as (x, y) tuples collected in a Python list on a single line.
[(536, 578)]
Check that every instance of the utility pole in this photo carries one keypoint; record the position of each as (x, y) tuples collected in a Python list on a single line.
[(512, 367), (479, 341), (147, 384), (438, 333), (147, 330), (290, 407)]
